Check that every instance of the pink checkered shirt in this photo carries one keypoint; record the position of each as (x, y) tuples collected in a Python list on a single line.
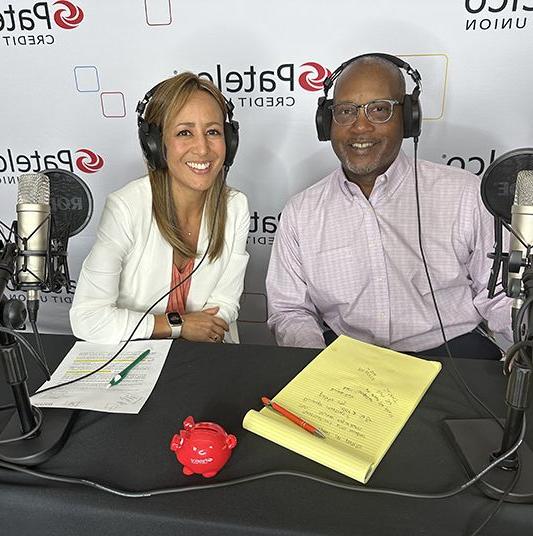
[(354, 263)]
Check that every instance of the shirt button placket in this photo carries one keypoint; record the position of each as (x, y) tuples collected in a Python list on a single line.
[(379, 282)]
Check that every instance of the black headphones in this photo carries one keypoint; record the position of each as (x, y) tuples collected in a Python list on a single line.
[(412, 112), (151, 138)]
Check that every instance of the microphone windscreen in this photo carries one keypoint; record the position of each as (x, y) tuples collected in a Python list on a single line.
[(33, 188), (524, 188), (499, 181), (71, 203)]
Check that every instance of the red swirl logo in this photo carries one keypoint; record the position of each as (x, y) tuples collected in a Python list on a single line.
[(89, 162), (68, 16), (312, 79)]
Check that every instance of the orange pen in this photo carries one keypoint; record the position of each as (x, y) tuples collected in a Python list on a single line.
[(292, 417)]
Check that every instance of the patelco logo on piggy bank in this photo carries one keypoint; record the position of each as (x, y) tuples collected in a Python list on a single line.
[(202, 447)]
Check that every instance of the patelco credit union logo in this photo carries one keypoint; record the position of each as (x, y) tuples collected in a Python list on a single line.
[(89, 161), (504, 15), (34, 24), (272, 86), (67, 16), (263, 228), (13, 162), (313, 76)]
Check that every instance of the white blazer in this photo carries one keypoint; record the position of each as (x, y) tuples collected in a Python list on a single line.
[(130, 267)]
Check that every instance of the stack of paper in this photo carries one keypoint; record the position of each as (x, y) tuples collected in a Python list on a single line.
[(95, 393)]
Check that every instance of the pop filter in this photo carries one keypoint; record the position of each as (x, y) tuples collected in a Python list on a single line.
[(499, 181), (71, 209), (71, 203)]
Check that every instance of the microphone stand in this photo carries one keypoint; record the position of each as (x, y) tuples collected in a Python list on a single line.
[(13, 315), (14, 366), (480, 441), (53, 425), (498, 258), (518, 385)]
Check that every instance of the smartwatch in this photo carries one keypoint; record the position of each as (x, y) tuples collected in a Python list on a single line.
[(175, 322)]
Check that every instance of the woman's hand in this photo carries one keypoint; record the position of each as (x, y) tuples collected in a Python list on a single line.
[(203, 326)]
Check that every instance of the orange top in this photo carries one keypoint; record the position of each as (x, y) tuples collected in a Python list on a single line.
[(177, 300)]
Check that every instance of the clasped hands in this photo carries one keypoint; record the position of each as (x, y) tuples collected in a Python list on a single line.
[(199, 326), (203, 326)]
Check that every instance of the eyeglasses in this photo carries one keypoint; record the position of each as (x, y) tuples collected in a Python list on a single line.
[(378, 111)]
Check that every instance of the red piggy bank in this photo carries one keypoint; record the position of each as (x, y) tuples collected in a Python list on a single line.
[(202, 447)]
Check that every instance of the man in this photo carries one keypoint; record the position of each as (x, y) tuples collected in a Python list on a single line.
[(346, 258)]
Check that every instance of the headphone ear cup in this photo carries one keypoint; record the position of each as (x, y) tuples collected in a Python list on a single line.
[(152, 147), (323, 119), (416, 109), (407, 116), (412, 117), (231, 137)]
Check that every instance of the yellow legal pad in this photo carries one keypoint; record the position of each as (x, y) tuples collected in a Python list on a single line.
[(358, 394)]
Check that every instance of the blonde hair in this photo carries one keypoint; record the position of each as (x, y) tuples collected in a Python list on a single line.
[(168, 100)]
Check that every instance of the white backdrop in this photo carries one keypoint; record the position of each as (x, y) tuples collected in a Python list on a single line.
[(72, 73)]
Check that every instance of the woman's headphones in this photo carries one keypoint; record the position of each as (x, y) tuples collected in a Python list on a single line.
[(412, 112), (151, 138)]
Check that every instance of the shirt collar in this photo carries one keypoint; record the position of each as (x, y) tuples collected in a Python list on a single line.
[(385, 185)]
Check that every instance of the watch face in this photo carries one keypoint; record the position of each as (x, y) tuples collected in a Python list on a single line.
[(174, 319)]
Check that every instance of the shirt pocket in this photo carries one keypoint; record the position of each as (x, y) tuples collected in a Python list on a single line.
[(337, 276)]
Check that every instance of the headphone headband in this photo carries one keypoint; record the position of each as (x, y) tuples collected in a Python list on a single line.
[(412, 112), (151, 137), (141, 105)]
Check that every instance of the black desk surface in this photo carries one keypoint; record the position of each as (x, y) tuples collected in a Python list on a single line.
[(220, 383)]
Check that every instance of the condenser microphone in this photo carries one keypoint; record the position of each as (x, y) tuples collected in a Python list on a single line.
[(522, 225), (33, 235)]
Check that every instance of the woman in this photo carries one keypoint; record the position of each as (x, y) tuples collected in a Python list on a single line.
[(154, 231)]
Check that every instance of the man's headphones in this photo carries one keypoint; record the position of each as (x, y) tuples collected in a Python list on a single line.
[(412, 112), (151, 138)]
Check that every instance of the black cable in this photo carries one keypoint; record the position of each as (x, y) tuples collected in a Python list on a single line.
[(40, 348), (509, 359), (449, 356), (517, 335), (250, 478), (225, 172), (500, 502)]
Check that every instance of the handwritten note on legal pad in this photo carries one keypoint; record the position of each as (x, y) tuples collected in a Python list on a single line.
[(358, 394)]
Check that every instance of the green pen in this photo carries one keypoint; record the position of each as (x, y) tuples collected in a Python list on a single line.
[(122, 374)]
